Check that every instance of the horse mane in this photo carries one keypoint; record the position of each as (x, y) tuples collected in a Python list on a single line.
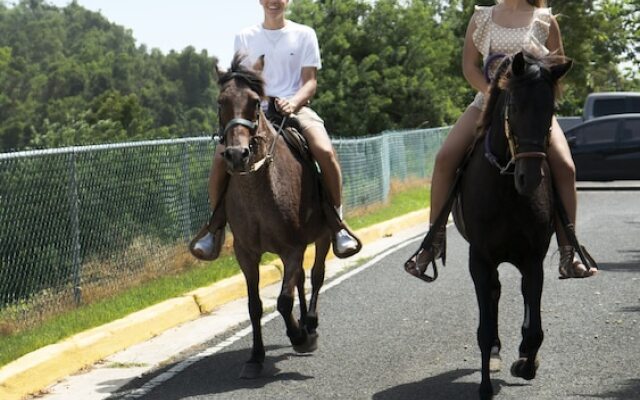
[(504, 80), (238, 70)]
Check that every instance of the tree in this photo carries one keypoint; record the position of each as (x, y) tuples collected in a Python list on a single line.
[(383, 65), (66, 69)]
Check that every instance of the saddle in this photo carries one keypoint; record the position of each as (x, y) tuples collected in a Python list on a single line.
[(290, 129), (453, 205)]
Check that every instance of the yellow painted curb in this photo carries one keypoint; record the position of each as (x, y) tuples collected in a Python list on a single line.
[(233, 288), (38, 369), (41, 368)]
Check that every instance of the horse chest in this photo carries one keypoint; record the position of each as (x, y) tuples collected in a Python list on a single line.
[(270, 213), (497, 217)]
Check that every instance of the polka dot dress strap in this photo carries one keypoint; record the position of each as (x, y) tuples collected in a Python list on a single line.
[(482, 34)]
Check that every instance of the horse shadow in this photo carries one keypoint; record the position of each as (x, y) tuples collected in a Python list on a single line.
[(215, 374), (630, 391), (441, 387), (627, 266)]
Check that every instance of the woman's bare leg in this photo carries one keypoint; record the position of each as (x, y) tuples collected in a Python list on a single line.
[(449, 158), (564, 178), (447, 162)]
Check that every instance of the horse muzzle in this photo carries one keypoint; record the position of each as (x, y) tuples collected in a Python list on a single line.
[(528, 174), (237, 158)]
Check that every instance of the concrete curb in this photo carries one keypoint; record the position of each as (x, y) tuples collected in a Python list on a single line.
[(41, 368)]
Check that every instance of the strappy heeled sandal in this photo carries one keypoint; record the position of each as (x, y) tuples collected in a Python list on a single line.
[(427, 254), (571, 266)]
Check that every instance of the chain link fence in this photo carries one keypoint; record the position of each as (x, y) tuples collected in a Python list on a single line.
[(78, 223)]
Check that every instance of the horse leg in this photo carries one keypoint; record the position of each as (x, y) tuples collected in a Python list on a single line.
[(249, 264), (317, 279), (495, 361), (482, 273), (302, 299), (527, 365), (293, 273)]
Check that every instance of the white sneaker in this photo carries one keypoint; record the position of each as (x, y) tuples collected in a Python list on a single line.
[(345, 243), (205, 245)]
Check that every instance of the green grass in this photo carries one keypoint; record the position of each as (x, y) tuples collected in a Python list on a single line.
[(85, 317)]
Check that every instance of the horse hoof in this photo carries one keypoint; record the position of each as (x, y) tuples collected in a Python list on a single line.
[(309, 346), (495, 361), (486, 392), (250, 370), (521, 368)]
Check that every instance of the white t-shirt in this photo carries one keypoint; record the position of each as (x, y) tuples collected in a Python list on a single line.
[(286, 51)]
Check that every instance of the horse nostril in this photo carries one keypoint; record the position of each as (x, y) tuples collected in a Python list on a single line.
[(246, 153), (227, 155)]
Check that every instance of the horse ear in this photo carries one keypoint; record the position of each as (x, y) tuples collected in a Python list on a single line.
[(259, 64), (560, 70), (518, 64), (219, 71)]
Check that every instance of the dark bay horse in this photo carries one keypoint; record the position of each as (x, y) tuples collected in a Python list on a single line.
[(505, 206), (273, 204)]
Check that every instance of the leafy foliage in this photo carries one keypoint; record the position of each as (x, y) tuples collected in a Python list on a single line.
[(397, 64), (70, 77)]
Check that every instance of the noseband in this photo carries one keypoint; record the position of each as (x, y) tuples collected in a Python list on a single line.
[(253, 128)]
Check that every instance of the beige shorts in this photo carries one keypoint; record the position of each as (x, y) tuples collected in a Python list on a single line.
[(309, 119)]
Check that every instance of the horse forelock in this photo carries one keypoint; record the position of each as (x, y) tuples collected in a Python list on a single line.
[(539, 69), (238, 70)]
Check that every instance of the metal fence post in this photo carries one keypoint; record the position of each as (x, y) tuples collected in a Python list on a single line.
[(385, 170), (186, 202), (75, 227)]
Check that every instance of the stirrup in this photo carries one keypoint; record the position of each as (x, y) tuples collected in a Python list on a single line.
[(351, 250), (418, 263), (570, 265), (336, 224), (213, 234)]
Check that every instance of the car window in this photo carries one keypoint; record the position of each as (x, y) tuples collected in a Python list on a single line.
[(603, 107), (630, 131), (602, 132), (634, 105)]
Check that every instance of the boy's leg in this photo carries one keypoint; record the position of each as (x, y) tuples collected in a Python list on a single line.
[(345, 243), (209, 240)]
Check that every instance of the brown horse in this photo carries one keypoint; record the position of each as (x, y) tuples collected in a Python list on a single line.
[(274, 204), (507, 203)]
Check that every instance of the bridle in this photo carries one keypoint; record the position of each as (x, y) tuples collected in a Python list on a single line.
[(513, 143), (253, 127)]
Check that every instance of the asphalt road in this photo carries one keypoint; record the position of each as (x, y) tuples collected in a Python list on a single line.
[(386, 335)]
